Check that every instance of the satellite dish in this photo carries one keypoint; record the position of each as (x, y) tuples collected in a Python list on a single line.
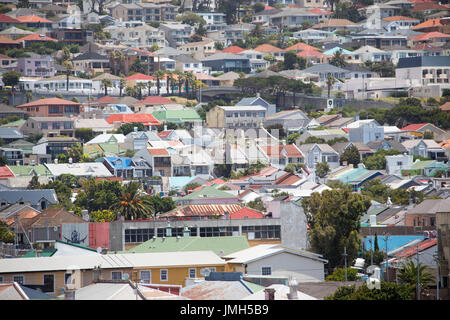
[(125, 276), (99, 250)]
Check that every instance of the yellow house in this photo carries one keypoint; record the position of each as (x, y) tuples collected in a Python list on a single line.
[(53, 274)]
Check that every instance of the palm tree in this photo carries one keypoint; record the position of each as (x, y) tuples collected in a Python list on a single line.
[(130, 91), (159, 75), (122, 84), (120, 58), (29, 96), (168, 80), (112, 57), (140, 86), (189, 80), (181, 76), (330, 81), (69, 67), (149, 86), (131, 204), (106, 83), (408, 274), (338, 59)]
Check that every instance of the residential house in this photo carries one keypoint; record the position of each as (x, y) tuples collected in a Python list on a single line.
[(325, 69), (399, 22), (9, 111), (291, 120), (276, 260), (137, 140), (365, 131), (258, 101), (97, 125), (185, 116), (395, 164), (386, 41), (126, 168), (212, 17), (225, 62), (377, 145), (227, 79), (36, 22), (14, 32), (12, 156), (426, 148), (336, 25), (91, 62), (354, 177), (282, 155), (7, 62), (146, 12), (80, 36), (34, 38), (315, 153), (269, 49), (159, 159), (294, 17), (185, 63), (200, 49), (10, 134), (236, 117), (7, 21), (57, 83), (141, 36), (369, 53), (51, 107), (147, 119), (418, 130), (36, 65), (432, 25), (207, 195), (82, 169), (37, 199), (49, 126), (176, 33), (423, 214), (435, 38), (363, 150), (191, 160), (53, 146)]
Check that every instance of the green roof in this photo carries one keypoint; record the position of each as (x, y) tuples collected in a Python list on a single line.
[(177, 116), (206, 192), (45, 253), (253, 286), (16, 123), (92, 150), (27, 171), (421, 164), (227, 245), (21, 144), (110, 147)]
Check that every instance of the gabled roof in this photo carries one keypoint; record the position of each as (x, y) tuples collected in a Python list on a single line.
[(6, 173), (32, 196), (158, 151), (400, 18), (233, 49), (36, 37), (139, 76), (335, 23), (155, 100), (48, 102), (310, 53), (209, 192), (90, 56), (430, 35), (32, 18), (7, 19), (267, 48), (414, 126), (144, 118)]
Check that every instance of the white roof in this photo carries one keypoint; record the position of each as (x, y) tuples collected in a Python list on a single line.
[(264, 250), (94, 124), (281, 292), (391, 129), (93, 169), (110, 261), (358, 123), (369, 49), (106, 291), (243, 108), (103, 138)]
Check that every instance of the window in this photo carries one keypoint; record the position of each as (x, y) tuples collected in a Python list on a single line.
[(116, 275), (19, 279), (1, 279), (146, 276), (67, 278), (266, 271), (192, 273), (44, 126), (164, 275), (49, 283)]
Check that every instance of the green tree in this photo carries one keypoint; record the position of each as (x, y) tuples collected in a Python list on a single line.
[(191, 186), (131, 204), (122, 84), (98, 195), (76, 152), (339, 275), (333, 217), (102, 216), (378, 160), (292, 61), (257, 204), (191, 19), (258, 7), (330, 82), (63, 193), (139, 67), (322, 169), (399, 196), (292, 138), (11, 78), (351, 156), (106, 83), (408, 274), (375, 190), (389, 291), (6, 235), (126, 128), (84, 134), (222, 170), (294, 167), (161, 205), (338, 60), (346, 10)]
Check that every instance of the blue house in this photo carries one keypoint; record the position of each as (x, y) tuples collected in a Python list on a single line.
[(126, 168)]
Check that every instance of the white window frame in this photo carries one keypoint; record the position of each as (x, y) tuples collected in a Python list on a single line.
[(161, 273), (116, 272), (150, 275), (195, 273), (19, 275), (54, 281), (262, 272)]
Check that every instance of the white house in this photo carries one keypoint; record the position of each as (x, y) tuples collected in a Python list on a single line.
[(395, 164)]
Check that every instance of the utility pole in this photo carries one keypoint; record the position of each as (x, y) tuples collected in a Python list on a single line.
[(418, 273), (438, 277), (345, 258)]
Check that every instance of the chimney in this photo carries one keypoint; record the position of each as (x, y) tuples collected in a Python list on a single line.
[(292, 295), (258, 95), (269, 293)]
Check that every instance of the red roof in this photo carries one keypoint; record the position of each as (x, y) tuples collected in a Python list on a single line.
[(105, 99), (7, 19), (158, 151), (37, 37), (145, 118), (310, 53), (431, 35), (427, 243), (155, 100), (33, 18), (426, 46), (6, 173), (300, 46), (428, 24), (165, 134), (400, 18), (287, 179), (6, 40), (278, 151), (266, 7), (233, 49), (319, 11), (267, 48), (413, 127), (247, 213), (445, 106), (346, 130), (48, 102), (139, 76), (425, 6)]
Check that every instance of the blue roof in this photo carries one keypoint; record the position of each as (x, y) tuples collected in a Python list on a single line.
[(394, 242), (179, 182), (120, 162), (122, 108), (336, 49)]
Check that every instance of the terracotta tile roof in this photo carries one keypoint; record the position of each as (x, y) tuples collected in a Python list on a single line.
[(267, 48), (427, 243), (426, 46), (36, 37), (48, 102), (139, 76), (145, 118), (105, 99), (431, 35), (151, 100), (164, 134), (428, 24), (233, 49), (247, 213), (158, 151), (287, 179), (267, 7), (400, 18), (300, 46), (32, 18), (310, 53), (445, 106), (6, 173), (335, 23), (320, 11), (7, 19), (6, 40), (413, 127), (425, 6)]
